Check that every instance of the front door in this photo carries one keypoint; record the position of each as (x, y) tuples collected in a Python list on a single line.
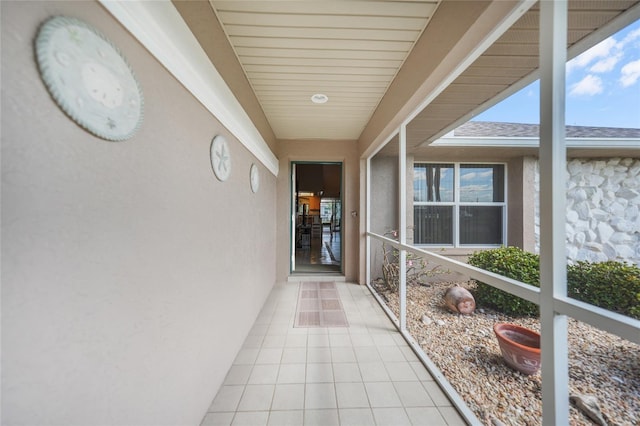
[(316, 217)]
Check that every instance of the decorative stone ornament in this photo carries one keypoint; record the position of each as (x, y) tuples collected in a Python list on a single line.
[(88, 78), (254, 178), (220, 158)]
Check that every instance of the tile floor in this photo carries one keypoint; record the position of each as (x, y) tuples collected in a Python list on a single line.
[(321, 254), (364, 374)]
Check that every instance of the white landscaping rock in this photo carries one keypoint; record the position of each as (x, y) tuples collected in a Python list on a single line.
[(603, 209), (605, 231)]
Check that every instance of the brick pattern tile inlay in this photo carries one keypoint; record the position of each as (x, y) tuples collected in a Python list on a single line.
[(319, 306)]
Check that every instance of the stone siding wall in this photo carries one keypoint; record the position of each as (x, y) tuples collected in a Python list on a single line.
[(603, 210)]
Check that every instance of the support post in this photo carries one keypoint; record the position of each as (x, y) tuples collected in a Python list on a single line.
[(367, 211), (553, 277), (402, 223)]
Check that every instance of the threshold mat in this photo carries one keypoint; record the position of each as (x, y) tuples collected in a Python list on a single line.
[(319, 305)]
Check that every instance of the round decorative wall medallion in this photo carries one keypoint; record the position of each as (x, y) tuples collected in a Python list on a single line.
[(254, 178), (220, 158), (88, 78)]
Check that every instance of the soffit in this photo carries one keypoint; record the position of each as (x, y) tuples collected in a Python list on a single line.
[(348, 50), (352, 51), (513, 57), (502, 68)]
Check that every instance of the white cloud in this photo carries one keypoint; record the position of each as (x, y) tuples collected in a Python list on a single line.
[(600, 50), (632, 36), (630, 73), (607, 64), (588, 86)]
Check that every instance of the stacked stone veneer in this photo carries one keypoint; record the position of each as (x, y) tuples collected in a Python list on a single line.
[(603, 210)]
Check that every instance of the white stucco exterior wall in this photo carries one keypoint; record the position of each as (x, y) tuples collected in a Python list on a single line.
[(603, 210), (130, 274)]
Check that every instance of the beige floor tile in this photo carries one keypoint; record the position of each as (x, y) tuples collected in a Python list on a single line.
[(384, 340), (292, 373), (451, 416), (247, 356), (436, 394), (252, 342), (382, 394), (253, 418), (391, 354), (263, 374), (274, 341), (364, 374), (408, 353), (256, 398), (343, 354), (413, 394), (356, 417), (367, 354), (351, 395), (318, 341), (400, 372), (426, 416), (321, 417), (317, 355), (346, 372), (421, 372), (340, 340), (218, 419), (286, 418), (288, 397), (269, 356), (391, 417), (373, 372), (296, 341), (238, 374), (294, 355), (319, 373), (227, 398), (319, 395)]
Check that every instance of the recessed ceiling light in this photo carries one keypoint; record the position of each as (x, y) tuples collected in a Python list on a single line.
[(319, 98)]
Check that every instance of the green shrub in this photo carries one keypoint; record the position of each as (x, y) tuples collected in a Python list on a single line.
[(610, 285), (510, 262)]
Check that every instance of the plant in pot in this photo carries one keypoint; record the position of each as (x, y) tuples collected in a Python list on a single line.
[(520, 347)]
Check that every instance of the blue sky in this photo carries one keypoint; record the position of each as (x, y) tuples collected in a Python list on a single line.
[(603, 87)]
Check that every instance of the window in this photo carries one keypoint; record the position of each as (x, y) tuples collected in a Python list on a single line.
[(459, 204)]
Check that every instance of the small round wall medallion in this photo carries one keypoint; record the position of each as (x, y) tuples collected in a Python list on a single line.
[(254, 178), (220, 158), (89, 78)]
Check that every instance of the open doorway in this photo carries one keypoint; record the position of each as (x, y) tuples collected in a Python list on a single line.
[(316, 229)]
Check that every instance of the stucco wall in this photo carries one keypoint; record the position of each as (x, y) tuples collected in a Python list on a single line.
[(603, 210), (520, 204), (344, 152), (384, 205), (130, 275), (384, 194)]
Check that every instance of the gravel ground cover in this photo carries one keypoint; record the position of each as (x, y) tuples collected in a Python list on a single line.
[(465, 349)]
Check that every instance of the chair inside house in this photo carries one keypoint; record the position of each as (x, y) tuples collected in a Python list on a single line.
[(335, 224), (316, 226)]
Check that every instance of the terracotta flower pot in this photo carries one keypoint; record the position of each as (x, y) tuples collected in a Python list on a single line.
[(520, 347)]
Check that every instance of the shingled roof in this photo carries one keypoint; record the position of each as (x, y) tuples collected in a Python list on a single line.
[(520, 130)]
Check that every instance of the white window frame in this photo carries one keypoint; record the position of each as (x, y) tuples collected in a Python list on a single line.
[(456, 203)]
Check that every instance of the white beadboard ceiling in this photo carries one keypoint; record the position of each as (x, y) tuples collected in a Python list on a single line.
[(349, 51)]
